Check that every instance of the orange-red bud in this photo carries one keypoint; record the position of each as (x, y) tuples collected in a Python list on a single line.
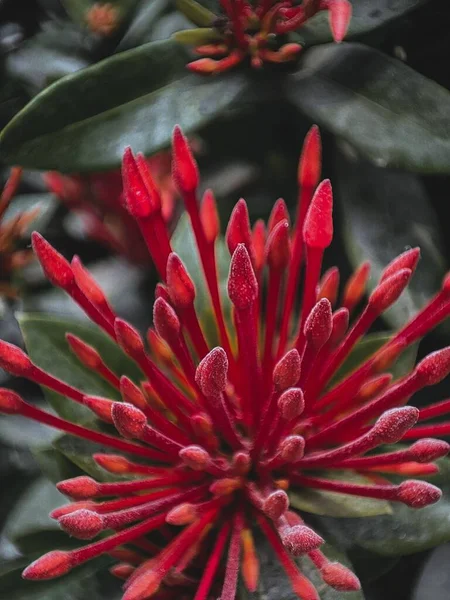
[(340, 14), (100, 406), (406, 260), (225, 486), (356, 286), (87, 354), (82, 524), (180, 285), (195, 457), (131, 393), (183, 514), (166, 321), (238, 230), (329, 285), (310, 164), (279, 246), (276, 504), (209, 216), (56, 268), (113, 463), (184, 166), (10, 402), (386, 293), (128, 338), (128, 420), (339, 577), (318, 226), (14, 360), (79, 488), (287, 370), (53, 564)]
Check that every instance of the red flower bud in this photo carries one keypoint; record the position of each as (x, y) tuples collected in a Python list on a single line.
[(212, 372), (128, 338), (242, 284), (10, 402), (84, 352), (279, 213), (418, 494), (183, 514), (259, 244), (53, 564), (319, 324), (209, 216), (166, 321), (310, 164), (340, 325), (113, 463), (225, 486), (241, 463), (195, 457), (300, 539), (287, 370), (179, 283), (318, 227), (329, 285), (139, 202), (128, 420), (100, 406), (279, 247), (276, 504), (394, 423), (291, 403), (131, 393), (79, 488), (56, 268), (82, 524), (434, 367), (340, 14), (429, 449), (406, 260), (292, 448), (87, 283), (238, 230), (14, 360), (184, 167), (386, 293), (356, 286), (339, 577)]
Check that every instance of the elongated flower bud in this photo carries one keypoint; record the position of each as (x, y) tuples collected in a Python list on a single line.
[(318, 228), (287, 371), (242, 284)]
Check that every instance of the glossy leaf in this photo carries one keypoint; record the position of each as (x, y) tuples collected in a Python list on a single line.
[(378, 226), (195, 12), (197, 37), (84, 121), (46, 344), (390, 113)]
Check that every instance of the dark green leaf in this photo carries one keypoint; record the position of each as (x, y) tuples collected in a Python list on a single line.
[(54, 465), (196, 13), (332, 504), (45, 340), (367, 16), (84, 122), (197, 37), (391, 114), (378, 226), (141, 25)]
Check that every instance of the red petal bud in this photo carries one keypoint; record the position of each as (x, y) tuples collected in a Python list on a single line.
[(374, 386), (279, 213), (242, 283), (386, 358), (319, 324), (113, 463), (310, 164), (166, 321), (356, 286), (329, 285), (195, 457), (212, 372), (209, 216), (161, 292), (82, 524), (10, 402), (301, 539), (340, 13), (292, 448), (339, 577), (225, 486), (407, 260), (429, 449), (87, 283), (84, 352), (318, 227), (184, 167), (14, 360), (287, 370), (79, 488), (418, 494), (138, 200), (241, 463), (180, 285), (259, 244), (128, 420), (53, 564), (100, 406), (122, 570), (238, 230), (291, 403), (340, 325), (435, 367), (394, 423), (56, 268), (279, 247), (128, 338), (386, 293), (70, 508), (183, 514), (276, 504), (131, 393)]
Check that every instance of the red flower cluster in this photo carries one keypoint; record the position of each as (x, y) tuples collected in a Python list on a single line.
[(255, 31), (98, 198), (212, 440)]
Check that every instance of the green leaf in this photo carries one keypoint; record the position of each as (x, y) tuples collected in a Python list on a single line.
[(366, 16), (142, 23), (404, 532), (195, 12), (378, 226), (332, 504), (45, 340), (390, 113), (183, 243), (197, 37), (84, 121), (54, 465), (274, 584)]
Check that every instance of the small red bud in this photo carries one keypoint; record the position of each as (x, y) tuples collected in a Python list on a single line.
[(339, 577), (166, 321), (319, 324), (56, 268), (386, 293), (183, 514), (356, 286), (340, 325), (238, 230), (122, 570), (279, 247), (276, 504), (195, 457), (100, 406), (418, 494), (138, 200), (70, 508), (394, 423), (259, 244), (291, 403), (242, 283), (292, 448), (87, 283), (241, 463), (180, 285), (386, 357), (131, 393), (212, 372), (429, 449), (434, 367), (318, 226), (128, 420), (82, 524), (279, 213), (300, 539), (79, 488), (162, 292), (128, 338), (113, 463), (14, 360), (374, 386), (184, 167), (340, 13), (209, 217), (310, 164), (329, 285), (10, 402), (225, 486), (53, 564), (406, 260), (287, 370), (87, 354)]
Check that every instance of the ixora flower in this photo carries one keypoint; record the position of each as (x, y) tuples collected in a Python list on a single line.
[(98, 198), (259, 30), (212, 440), (102, 19)]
